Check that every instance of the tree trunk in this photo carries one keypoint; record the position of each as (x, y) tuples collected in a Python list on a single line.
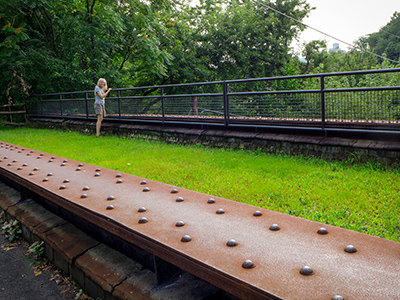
[(195, 111)]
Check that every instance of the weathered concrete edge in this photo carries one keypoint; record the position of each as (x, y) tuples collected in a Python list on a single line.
[(102, 272), (362, 150)]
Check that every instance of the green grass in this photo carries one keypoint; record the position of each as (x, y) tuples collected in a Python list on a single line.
[(360, 197)]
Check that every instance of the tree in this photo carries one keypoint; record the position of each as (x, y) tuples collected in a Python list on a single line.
[(66, 45), (387, 39)]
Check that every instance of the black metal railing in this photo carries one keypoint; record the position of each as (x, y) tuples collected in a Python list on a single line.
[(360, 100)]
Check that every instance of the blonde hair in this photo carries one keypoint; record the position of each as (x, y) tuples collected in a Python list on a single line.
[(105, 86)]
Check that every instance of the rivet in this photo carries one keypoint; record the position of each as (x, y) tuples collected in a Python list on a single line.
[(306, 270), (118, 175), (146, 189), (28, 154), (53, 157), (97, 170), (41, 154), (31, 173), (62, 165), (23, 149), (5, 157), (337, 297), (109, 207), (186, 238), (180, 224), (143, 182), (50, 174), (14, 161), (119, 181), (97, 174), (38, 157), (35, 169), (45, 179), (66, 180), (16, 147), (322, 230), (350, 249), (50, 160), (31, 151), (231, 243), (19, 168), (10, 164), (143, 220), (220, 211), (142, 209), (65, 160), (83, 196), (179, 199), (86, 188), (211, 201), (6, 147), (80, 165), (257, 213), (1, 160), (110, 198), (78, 169), (174, 191), (63, 187), (24, 165), (248, 264), (19, 151), (274, 227)]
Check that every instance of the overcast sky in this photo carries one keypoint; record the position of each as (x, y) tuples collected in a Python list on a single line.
[(347, 19)]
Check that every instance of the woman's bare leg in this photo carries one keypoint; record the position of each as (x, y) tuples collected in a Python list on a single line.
[(98, 124)]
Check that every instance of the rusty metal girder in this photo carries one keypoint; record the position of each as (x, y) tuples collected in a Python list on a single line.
[(250, 252)]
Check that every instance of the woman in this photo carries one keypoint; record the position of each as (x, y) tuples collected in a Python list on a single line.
[(100, 93)]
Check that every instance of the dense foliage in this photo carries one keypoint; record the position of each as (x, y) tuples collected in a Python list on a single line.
[(51, 45)]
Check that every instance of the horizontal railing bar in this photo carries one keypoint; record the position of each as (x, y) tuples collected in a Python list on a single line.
[(364, 89), (363, 72), (274, 92)]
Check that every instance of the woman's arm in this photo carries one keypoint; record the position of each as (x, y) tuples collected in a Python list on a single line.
[(102, 96)]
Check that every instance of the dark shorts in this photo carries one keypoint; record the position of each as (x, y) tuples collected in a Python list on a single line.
[(100, 110)]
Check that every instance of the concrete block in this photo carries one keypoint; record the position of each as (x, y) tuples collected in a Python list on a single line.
[(60, 262), (69, 241), (78, 275), (36, 218), (106, 267), (8, 196), (93, 289)]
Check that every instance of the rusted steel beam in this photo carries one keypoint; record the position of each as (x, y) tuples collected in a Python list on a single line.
[(250, 252)]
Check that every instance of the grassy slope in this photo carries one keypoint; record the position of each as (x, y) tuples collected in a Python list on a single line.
[(364, 197)]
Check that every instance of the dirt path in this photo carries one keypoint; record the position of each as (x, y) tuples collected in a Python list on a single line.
[(19, 280)]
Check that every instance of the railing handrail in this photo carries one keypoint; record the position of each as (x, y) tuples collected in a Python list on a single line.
[(361, 72)]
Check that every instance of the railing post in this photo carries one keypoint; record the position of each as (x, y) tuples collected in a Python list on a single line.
[(323, 102), (87, 106), (41, 105), (61, 106), (226, 103), (119, 105), (162, 104)]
